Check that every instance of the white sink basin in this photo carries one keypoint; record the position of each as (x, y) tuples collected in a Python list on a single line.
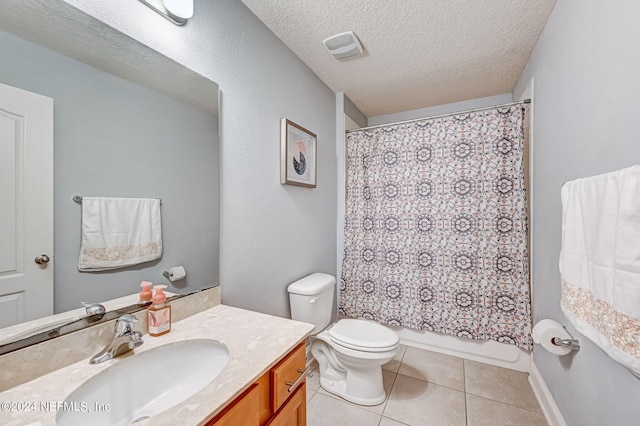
[(145, 384)]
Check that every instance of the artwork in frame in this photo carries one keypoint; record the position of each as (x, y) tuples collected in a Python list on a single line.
[(298, 165)]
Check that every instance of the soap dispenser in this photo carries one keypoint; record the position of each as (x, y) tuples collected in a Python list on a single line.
[(145, 295), (159, 312)]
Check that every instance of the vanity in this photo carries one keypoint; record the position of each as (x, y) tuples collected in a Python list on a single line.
[(261, 383), (278, 397)]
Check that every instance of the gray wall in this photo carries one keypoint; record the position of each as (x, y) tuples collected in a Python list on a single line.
[(440, 109), (113, 138), (585, 116), (271, 234), (354, 113)]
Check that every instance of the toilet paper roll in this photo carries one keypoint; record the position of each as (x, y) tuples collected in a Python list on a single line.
[(547, 329), (177, 273)]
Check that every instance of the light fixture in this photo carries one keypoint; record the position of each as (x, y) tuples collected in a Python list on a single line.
[(176, 11), (343, 45)]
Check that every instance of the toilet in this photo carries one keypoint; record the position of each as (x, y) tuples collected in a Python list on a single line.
[(350, 352)]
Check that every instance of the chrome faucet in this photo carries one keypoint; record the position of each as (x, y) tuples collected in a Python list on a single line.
[(124, 340), (94, 308)]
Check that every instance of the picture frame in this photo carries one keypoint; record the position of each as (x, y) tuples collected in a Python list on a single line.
[(298, 162)]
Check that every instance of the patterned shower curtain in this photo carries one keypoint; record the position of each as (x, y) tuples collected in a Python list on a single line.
[(436, 227)]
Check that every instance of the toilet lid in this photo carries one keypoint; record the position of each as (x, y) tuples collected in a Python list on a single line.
[(364, 334)]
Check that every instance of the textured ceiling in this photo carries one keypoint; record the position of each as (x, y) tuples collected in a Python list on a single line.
[(418, 53)]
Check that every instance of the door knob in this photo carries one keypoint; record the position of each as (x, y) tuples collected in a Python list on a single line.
[(43, 259)]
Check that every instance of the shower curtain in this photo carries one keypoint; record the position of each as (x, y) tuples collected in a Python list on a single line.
[(436, 227)]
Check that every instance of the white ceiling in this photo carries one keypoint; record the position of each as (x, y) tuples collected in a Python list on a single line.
[(418, 53)]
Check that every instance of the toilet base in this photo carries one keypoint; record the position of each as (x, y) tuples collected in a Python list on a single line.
[(353, 375), (339, 388)]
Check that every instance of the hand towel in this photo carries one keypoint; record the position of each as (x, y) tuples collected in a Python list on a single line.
[(600, 261), (119, 232)]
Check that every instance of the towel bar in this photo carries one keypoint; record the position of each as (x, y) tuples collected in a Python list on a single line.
[(78, 199)]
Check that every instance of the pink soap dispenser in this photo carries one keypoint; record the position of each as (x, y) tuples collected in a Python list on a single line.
[(159, 312), (145, 295)]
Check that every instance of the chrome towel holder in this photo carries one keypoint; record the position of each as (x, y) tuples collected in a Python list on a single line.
[(78, 199)]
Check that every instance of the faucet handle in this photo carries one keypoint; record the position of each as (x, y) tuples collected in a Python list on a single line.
[(136, 340), (93, 308), (124, 324)]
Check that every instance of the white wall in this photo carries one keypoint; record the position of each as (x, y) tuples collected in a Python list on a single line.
[(585, 69), (270, 234)]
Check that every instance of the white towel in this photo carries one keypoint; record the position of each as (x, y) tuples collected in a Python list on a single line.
[(119, 232), (600, 261)]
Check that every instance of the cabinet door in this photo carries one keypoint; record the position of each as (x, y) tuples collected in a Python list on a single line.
[(243, 411), (287, 375), (294, 412), (264, 396)]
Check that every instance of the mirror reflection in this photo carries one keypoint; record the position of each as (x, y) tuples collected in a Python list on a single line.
[(111, 138)]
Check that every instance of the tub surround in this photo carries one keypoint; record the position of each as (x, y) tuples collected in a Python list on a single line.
[(256, 342), (34, 361)]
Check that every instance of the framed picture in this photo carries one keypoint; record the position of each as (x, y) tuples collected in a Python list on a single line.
[(298, 164)]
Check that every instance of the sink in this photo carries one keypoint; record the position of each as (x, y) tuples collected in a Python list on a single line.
[(144, 384)]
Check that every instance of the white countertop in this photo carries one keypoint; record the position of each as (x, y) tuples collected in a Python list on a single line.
[(255, 341)]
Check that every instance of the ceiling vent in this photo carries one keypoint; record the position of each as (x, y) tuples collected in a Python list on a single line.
[(343, 45)]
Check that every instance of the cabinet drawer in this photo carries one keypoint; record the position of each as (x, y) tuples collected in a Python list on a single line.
[(287, 376)]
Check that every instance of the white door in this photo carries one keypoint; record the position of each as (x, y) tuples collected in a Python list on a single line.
[(26, 206)]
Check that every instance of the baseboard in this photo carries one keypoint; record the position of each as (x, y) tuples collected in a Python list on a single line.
[(548, 406)]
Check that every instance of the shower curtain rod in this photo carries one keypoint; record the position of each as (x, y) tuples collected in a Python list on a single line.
[(524, 101)]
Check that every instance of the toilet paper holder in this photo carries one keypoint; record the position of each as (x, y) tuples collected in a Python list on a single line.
[(176, 273), (572, 343), (554, 337)]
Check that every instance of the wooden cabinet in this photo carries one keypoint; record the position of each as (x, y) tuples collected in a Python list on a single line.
[(278, 398), (294, 412), (243, 411), (286, 376)]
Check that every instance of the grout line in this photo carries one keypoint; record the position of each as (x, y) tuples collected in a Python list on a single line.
[(386, 400), (392, 419), (432, 383), (464, 385), (464, 376), (508, 405)]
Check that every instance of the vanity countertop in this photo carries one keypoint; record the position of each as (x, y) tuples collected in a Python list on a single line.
[(255, 341)]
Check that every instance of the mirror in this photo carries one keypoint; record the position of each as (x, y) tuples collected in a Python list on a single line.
[(128, 122)]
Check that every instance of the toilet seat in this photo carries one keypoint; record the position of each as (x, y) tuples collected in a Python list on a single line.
[(363, 335)]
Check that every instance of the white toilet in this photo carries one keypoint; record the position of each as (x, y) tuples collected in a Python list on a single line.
[(350, 352)]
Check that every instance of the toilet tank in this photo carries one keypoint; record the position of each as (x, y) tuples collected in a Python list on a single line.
[(311, 300)]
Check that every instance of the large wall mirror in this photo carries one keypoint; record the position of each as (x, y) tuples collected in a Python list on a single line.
[(128, 122)]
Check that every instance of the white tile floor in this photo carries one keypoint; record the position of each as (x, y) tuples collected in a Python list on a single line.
[(426, 388)]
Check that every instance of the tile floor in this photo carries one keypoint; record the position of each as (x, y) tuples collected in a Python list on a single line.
[(430, 389)]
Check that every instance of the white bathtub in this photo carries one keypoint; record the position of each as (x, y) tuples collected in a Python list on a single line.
[(487, 351)]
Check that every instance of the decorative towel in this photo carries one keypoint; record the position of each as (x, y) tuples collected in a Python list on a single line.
[(119, 232), (600, 261)]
